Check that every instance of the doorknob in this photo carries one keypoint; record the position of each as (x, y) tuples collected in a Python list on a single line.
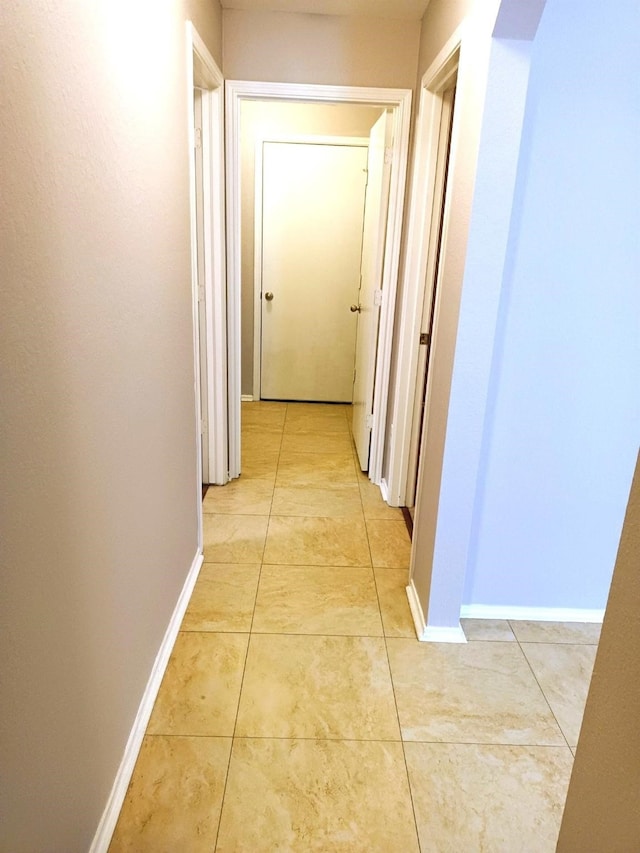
[(355, 308), (268, 296)]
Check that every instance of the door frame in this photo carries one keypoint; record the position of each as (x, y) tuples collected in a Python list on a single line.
[(204, 74), (423, 246), (290, 138), (399, 102)]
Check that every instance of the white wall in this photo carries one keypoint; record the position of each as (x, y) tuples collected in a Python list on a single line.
[(98, 458), (563, 419)]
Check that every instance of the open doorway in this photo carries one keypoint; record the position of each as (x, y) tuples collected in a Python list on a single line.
[(206, 144), (245, 365), (439, 213)]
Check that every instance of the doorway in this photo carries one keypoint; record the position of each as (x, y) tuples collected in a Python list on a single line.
[(397, 102), (440, 210), (207, 220)]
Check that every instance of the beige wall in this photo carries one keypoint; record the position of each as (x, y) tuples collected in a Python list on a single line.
[(438, 25), (99, 501), (322, 49), (258, 119), (602, 810)]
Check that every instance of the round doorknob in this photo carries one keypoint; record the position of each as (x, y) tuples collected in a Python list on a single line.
[(355, 308), (268, 296)]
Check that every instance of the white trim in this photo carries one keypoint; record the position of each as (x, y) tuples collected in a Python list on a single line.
[(384, 488), (102, 838), (285, 138), (420, 248), (246, 398), (531, 614), (431, 633), (437, 634), (210, 81), (398, 100), (416, 609)]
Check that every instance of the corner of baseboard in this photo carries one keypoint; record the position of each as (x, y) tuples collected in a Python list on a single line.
[(246, 398), (532, 614), (431, 633), (107, 825)]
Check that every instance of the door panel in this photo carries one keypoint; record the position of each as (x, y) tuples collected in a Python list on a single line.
[(312, 219), (374, 233)]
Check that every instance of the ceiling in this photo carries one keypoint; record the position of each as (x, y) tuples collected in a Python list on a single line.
[(408, 10)]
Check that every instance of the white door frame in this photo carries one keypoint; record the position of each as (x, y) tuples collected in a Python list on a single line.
[(399, 102), (202, 72), (422, 249), (304, 139)]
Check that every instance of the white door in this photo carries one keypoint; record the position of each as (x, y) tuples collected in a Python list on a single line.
[(312, 219), (369, 300)]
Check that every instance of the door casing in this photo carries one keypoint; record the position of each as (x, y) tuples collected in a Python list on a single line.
[(398, 101)]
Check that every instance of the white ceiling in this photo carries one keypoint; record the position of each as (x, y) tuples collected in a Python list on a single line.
[(408, 10)]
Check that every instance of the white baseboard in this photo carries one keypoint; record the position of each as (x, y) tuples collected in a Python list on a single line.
[(384, 488), (431, 633), (102, 838), (532, 614), (246, 398)]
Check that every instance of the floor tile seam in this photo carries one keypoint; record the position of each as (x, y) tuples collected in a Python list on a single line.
[(552, 712), (395, 702), (501, 743), (310, 739), (307, 634)]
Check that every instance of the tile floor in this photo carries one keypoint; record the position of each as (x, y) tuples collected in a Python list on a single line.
[(298, 711)]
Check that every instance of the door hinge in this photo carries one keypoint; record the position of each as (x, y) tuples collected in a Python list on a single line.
[(369, 421), (424, 338), (388, 156), (377, 297), (197, 142)]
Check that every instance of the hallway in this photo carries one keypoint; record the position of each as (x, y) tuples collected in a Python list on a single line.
[(298, 711)]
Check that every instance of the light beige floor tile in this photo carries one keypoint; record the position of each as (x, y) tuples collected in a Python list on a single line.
[(175, 796), (487, 630), (317, 600), (259, 441), (556, 632), (335, 502), (260, 465), (263, 414), (200, 690), (316, 542), (374, 504), (469, 693), (234, 538), (390, 544), (240, 497), (317, 423), (394, 605), (490, 799), (325, 796), (316, 442), (304, 410), (317, 687), (564, 673), (316, 470), (223, 598)]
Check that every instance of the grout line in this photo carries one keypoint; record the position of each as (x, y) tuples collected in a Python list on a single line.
[(540, 687)]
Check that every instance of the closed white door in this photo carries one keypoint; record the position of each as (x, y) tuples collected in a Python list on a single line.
[(369, 299), (312, 219)]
